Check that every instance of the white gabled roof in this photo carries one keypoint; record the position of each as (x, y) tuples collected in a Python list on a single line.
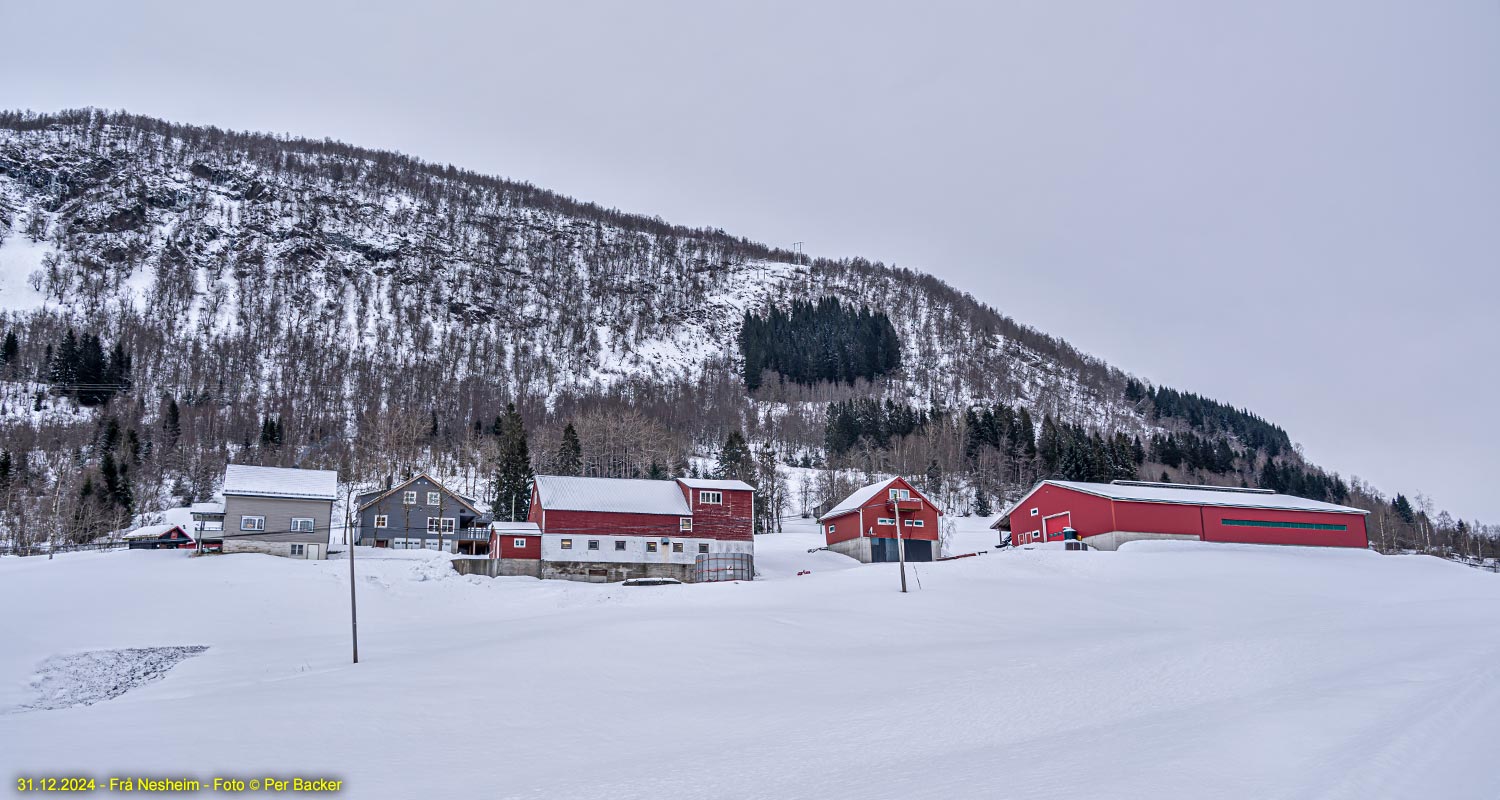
[(618, 495), (301, 484), (706, 483), (1185, 494), (863, 495), (152, 532), (516, 528), (208, 507)]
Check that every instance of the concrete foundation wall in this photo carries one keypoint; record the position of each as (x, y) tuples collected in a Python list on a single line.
[(1113, 539), (579, 571), (857, 549), (271, 547), (498, 567)]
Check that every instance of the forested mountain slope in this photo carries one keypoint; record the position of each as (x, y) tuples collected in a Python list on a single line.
[(176, 296)]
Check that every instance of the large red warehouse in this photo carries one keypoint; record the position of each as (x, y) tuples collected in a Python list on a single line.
[(1106, 515)]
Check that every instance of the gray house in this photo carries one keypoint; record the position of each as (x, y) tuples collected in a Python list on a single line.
[(421, 513), (282, 512)]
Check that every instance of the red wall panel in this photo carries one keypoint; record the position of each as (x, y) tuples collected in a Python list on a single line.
[(1214, 530), (729, 520)]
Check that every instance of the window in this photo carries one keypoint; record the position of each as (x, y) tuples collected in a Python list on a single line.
[(519, 542), (914, 523), (566, 544), (900, 494), (298, 550), (1266, 523), (441, 526), (703, 547), (885, 521), (408, 498), (712, 498), (380, 520), (685, 524), (1034, 512), (619, 544), (651, 547), (830, 529), (302, 524), (677, 547), (434, 498), (593, 544), (252, 523)]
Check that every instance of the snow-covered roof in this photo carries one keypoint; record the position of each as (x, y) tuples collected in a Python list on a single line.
[(706, 483), (856, 499), (1186, 494), (516, 528), (153, 532), (209, 507), (619, 495), (309, 484)]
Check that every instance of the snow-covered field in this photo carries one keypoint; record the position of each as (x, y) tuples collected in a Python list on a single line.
[(1160, 671)]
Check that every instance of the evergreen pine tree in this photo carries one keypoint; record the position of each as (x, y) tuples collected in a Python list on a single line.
[(171, 422), (982, 502), (570, 452), (735, 461), (513, 472), (10, 351)]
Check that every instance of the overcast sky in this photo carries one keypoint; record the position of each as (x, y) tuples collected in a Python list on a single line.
[(1291, 206)]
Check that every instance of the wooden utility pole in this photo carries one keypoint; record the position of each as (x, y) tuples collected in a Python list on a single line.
[(353, 611), (900, 543)]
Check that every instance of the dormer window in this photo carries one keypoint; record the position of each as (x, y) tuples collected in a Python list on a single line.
[(711, 498)]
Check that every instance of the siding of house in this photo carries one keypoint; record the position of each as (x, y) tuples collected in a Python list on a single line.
[(411, 523), (728, 521), (278, 512)]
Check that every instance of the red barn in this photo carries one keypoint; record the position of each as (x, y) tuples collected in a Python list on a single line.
[(864, 524), (1106, 515), (611, 529)]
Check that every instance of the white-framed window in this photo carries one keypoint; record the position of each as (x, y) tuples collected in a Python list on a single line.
[(434, 498), (914, 523), (1035, 511), (593, 544), (298, 550), (519, 542), (685, 524), (703, 547), (566, 544), (619, 544), (711, 498), (248, 523), (830, 528), (885, 521), (651, 547), (441, 525), (408, 498), (381, 520), (677, 547), (900, 494), (302, 524)]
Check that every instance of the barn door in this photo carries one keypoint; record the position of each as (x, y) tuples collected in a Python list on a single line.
[(1053, 524)]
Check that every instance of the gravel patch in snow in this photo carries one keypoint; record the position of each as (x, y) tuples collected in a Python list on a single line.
[(83, 679)]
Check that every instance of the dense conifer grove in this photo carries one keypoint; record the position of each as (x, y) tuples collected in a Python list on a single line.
[(818, 342)]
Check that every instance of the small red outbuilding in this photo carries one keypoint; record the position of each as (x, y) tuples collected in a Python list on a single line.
[(864, 524), (1106, 515)]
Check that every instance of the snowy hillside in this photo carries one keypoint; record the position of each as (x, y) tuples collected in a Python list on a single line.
[(1157, 671), (392, 262)]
